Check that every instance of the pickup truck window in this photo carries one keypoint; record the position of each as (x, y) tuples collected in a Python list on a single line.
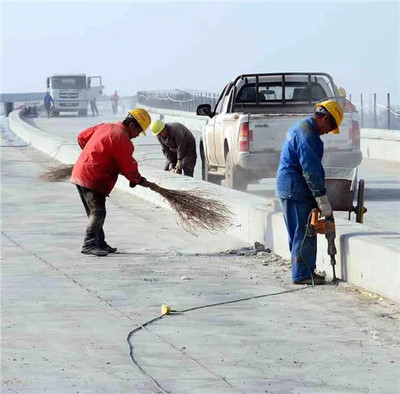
[(294, 91)]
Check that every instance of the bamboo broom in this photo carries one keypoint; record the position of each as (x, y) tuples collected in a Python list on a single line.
[(195, 209)]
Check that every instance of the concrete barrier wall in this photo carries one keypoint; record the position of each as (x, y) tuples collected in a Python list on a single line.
[(366, 257), (380, 144)]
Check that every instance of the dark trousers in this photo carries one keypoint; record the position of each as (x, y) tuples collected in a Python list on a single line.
[(302, 248), (93, 107), (188, 171), (95, 207)]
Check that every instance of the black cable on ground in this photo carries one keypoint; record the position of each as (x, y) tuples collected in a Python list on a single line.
[(171, 311)]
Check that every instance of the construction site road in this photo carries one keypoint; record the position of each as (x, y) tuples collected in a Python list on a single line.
[(66, 316), (382, 196)]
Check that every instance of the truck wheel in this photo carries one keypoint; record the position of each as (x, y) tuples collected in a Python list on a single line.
[(83, 112), (55, 113), (205, 175), (235, 178)]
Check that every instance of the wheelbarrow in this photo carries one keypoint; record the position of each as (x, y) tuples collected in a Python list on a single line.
[(341, 185)]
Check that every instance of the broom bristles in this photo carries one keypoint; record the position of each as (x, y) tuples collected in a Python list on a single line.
[(59, 173), (195, 209)]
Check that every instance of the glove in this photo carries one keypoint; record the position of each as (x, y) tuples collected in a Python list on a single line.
[(323, 205), (176, 170), (142, 182)]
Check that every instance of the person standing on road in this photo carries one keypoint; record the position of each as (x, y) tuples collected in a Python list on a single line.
[(48, 103), (114, 102), (93, 102), (178, 146), (300, 185), (106, 152)]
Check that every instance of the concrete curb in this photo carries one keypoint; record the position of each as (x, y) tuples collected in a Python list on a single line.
[(366, 258), (380, 144)]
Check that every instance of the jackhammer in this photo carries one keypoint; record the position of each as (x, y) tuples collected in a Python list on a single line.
[(325, 226)]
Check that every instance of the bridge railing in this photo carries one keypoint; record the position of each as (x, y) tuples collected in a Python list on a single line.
[(176, 99), (375, 113)]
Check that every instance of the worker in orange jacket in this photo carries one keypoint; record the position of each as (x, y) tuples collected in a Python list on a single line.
[(106, 152)]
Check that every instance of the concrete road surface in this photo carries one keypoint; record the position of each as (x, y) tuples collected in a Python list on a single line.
[(66, 316)]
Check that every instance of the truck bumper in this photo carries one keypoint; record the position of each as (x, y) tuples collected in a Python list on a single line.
[(66, 106), (262, 165)]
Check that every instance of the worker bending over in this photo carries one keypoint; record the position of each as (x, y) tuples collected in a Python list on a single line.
[(300, 185), (106, 151), (178, 146)]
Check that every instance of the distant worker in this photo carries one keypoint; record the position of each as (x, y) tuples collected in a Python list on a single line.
[(346, 104), (48, 103), (300, 185), (93, 103), (114, 102), (106, 152), (178, 146)]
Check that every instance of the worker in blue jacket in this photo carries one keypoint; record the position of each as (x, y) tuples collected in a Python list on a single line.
[(48, 103), (300, 185)]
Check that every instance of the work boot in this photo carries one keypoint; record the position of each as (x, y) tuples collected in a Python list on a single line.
[(318, 280), (96, 251), (108, 248)]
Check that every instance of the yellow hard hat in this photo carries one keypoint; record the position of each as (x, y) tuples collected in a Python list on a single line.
[(335, 110), (157, 127), (342, 91), (142, 117)]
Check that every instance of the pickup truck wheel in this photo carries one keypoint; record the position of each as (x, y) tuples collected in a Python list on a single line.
[(235, 177)]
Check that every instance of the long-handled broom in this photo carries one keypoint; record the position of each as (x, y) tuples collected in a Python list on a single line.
[(196, 211)]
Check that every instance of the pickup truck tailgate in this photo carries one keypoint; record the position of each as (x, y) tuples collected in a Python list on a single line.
[(268, 132)]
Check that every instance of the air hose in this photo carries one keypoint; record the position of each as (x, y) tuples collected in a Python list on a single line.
[(166, 310), (301, 250)]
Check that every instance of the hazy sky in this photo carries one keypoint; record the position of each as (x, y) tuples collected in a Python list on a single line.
[(200, 45)]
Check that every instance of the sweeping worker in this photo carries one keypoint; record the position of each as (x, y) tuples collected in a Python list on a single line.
[(106, 151), (178, 146), (300, 185)]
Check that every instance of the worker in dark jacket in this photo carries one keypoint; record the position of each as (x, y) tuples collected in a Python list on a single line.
[(178, 146), (106, 152), (300, 185)]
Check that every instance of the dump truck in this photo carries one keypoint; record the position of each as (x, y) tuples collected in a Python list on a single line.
[(71, 92)]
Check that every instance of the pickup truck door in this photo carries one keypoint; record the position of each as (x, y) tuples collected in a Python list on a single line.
[(209, 131), (208, 141), (220, 128)]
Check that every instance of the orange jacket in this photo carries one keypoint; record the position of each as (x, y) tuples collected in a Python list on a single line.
[(106, 151)]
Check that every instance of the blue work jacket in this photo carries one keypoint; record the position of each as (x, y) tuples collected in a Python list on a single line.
[(300, 173), (48, 100)]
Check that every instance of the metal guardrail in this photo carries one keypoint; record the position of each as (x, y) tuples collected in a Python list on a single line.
[(176, 99), (375, 115)]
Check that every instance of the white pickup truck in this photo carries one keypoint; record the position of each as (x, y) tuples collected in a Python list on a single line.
[(243, 138)]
